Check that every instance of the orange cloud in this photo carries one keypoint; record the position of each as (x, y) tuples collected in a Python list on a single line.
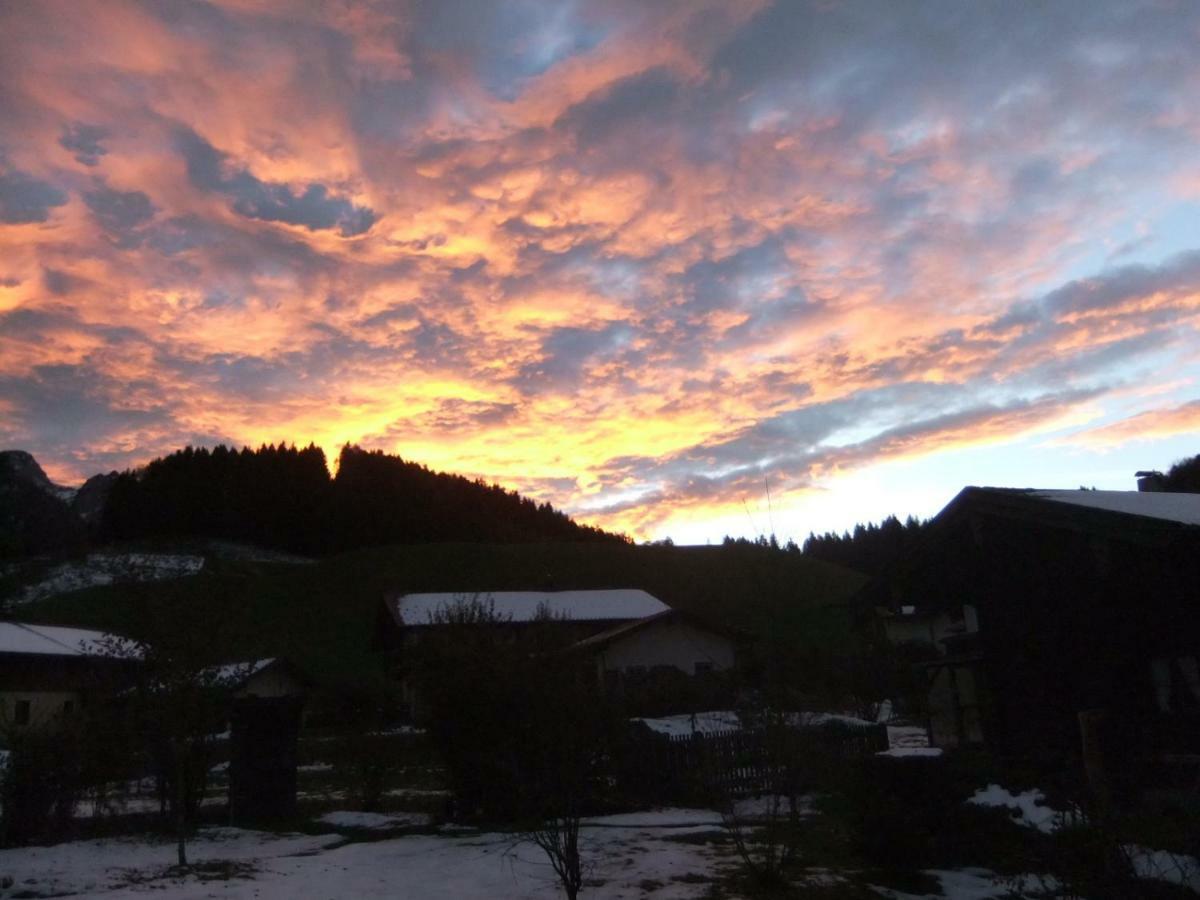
[(1150, 425)]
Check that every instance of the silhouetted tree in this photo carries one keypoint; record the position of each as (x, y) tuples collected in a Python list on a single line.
[(1184, 476), (870, 548)]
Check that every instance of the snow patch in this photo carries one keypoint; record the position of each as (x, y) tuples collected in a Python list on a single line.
[(900, 736), (367, 821), (1027, 808), (718, 721), (700, 723), (911, 752), (1162, 865), (103, 568)]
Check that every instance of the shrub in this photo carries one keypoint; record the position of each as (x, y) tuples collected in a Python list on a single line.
[(911, 813), (40, 784)]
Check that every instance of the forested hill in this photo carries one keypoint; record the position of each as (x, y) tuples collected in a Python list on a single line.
[(283, 497)]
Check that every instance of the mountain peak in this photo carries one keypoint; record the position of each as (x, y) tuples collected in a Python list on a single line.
[(20, 466)]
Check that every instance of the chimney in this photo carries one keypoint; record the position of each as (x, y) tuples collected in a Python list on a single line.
[(1150, 481)]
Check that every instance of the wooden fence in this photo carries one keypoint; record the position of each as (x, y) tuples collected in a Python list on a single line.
[(699, 767)]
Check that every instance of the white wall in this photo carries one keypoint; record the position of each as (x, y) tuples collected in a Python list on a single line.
[(668, 643), (44, 706), (273, 681)]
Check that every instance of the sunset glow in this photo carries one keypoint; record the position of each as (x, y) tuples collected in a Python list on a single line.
[(682, 269)]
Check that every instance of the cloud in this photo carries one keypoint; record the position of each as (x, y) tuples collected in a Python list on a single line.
[(315, 207), (83, 141), (630, 257), (25, 199), (120, 213), (1153, 424)]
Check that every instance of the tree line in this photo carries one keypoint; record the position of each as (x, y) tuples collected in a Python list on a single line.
[(283, 497), (872, 549)]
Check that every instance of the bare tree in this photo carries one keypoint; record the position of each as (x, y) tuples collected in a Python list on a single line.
[(558, 838)]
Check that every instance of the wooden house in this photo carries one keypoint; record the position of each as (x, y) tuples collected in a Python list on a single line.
[(1048, 605)]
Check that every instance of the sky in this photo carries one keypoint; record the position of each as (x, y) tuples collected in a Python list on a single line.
[(682, 269)]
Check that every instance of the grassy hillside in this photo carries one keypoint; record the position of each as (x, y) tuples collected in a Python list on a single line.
[(323, 614)]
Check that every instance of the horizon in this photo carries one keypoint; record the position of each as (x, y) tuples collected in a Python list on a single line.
[(332, 467), (688, 270)]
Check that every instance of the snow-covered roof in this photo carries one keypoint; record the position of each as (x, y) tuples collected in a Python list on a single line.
[(1182, 508), (240, 671), (525, 606), (50, 640)]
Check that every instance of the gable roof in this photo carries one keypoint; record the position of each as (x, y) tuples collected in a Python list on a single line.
[(617, 605), (50, 640)]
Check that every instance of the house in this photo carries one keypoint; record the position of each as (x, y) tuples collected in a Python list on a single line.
[(48, 673), (624, 633), (572, 615), (262, 678), (670, 639), (1048, 608)]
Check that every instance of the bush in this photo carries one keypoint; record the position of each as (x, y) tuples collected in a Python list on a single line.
[(40, 784), (521, 726), (911, 813)]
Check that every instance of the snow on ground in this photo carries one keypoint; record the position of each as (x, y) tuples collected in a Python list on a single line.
[(911, 752), (415, 867), (665, 817), (1028, 808), (716, 721), (92, 867), (803, 719), (904, 736), (1161, 865), (976, 884), (106, 568), (700, 723), (352, 819)]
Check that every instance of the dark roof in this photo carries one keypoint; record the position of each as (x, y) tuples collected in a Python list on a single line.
[(1147, 518)]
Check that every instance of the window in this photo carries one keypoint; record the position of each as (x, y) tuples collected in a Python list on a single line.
[(1176, 683), (21, 713)]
